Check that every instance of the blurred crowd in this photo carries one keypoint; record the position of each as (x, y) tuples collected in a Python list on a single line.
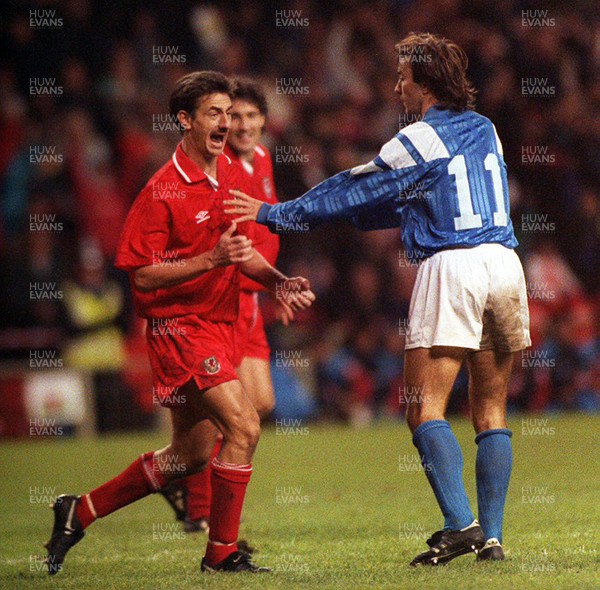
[(84, 123)]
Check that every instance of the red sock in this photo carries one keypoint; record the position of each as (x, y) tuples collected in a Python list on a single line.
[(141, 478), (199, 489), (229, 483)]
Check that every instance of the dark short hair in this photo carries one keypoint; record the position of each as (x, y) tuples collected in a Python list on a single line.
[(441, 66), (252, 92), (193, 86)]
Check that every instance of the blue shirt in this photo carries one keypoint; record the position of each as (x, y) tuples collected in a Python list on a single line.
[(442, 180)]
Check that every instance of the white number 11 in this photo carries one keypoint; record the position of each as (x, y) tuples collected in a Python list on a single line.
[(467, 218)]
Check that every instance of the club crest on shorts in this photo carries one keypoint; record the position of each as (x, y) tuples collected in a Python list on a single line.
[(212, 365)]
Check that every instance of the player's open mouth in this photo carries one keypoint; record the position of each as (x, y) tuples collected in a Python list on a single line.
[(217, 140)]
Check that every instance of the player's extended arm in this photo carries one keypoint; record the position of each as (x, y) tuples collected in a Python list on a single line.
[(230, 249), (370, 196), (343, 196), (294, 292)]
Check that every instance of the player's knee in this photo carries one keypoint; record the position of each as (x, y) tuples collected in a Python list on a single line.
[(251, 433), (244, 429), (264, 406)]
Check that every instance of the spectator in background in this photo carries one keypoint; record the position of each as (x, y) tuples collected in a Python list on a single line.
[(95, 308), (100, 203), (111, 89)]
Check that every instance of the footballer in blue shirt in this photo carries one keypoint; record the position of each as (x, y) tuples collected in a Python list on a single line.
[(442, 180)]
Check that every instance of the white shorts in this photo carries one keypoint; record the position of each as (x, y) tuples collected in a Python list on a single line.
[(472, 298)]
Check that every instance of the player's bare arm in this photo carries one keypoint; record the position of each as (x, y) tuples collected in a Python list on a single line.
[(294, 292), (230, 249), (243, 205)]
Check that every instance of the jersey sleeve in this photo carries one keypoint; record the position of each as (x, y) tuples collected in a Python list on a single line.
[(381, 184), (146, 232)]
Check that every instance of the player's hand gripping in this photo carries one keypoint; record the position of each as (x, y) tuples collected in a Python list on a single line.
[(243, 205), (231, 249), (283, 312), (295, 293)]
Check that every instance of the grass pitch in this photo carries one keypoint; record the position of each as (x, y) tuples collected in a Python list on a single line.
[(328, 507)]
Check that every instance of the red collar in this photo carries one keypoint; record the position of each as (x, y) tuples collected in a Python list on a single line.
[(191, 172), (230, 153)]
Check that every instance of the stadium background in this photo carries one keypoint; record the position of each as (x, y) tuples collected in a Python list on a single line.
[(84, 124)]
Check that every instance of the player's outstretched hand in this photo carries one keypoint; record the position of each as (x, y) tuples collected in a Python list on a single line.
[(283, 312), (243, 205), (295, 293), (231, 249)]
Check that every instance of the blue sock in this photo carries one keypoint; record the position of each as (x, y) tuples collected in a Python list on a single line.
[(442, 460), (493, 467)]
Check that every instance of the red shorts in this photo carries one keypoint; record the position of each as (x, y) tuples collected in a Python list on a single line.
[(189, 347), (250, 337)]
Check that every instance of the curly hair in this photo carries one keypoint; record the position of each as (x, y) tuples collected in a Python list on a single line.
[(441, 66)]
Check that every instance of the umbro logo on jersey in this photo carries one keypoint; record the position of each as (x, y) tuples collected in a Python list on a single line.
[(202, 216)]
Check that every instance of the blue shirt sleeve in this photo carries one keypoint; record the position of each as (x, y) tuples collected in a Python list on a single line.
[(376, 188), (386, 216)]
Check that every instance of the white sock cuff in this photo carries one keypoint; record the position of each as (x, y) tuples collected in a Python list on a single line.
[(90, 505)]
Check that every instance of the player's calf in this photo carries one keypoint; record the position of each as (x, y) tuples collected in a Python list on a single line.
[(72, 514), (175, 466)]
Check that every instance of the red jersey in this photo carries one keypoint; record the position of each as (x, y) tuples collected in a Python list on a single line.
[(179, 214), (260, 174)]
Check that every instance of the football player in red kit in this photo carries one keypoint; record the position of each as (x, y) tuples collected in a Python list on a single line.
[(190, 497), (184, 258)]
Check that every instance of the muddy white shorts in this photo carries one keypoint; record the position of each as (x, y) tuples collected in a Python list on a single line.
[(472, 298)]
